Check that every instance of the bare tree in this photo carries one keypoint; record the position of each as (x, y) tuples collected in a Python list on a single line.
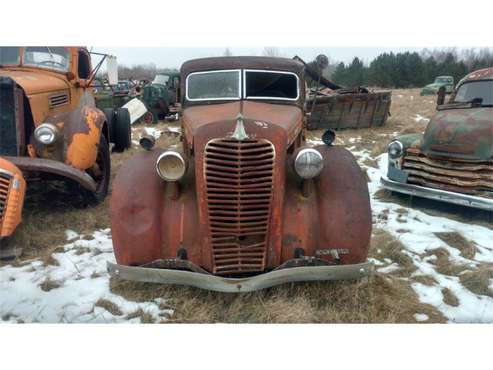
[(271, 51), (227, 52)]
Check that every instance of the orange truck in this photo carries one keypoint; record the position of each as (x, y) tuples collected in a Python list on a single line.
[(50, 127)]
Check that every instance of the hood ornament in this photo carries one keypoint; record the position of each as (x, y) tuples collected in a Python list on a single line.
[(239, 133)]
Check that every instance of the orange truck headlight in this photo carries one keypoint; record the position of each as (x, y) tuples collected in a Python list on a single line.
[(12, 191)]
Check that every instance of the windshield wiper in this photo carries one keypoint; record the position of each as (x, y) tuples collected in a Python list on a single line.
[(473, 103)]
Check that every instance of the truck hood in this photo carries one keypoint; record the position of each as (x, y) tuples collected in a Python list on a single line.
[(258, 118), (33, 82), (460, 133)]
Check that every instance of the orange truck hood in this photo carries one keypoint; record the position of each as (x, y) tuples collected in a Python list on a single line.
[(34, 82)]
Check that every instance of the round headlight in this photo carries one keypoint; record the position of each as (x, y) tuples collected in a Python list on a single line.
[(308, 163), (171, 166), (46, 133), (395, 150)]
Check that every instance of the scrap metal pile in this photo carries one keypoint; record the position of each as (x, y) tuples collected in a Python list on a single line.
[(335, 107)]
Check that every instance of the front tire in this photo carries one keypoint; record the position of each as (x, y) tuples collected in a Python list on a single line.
[(122, 131)]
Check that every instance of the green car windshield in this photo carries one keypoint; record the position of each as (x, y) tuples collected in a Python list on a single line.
[(474, 90), (161, 79), (443, 80)]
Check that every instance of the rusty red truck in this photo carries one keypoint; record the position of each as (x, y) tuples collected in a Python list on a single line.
[(453, 160), (243, 202)]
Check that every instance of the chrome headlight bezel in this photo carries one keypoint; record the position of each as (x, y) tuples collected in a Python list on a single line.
[(308, 163), (171, 155), (46, 133), (395, 150)]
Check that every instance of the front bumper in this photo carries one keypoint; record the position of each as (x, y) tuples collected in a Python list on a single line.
[(436, 194), (230, 285)]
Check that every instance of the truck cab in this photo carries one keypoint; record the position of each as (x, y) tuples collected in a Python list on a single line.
[(50, 126)]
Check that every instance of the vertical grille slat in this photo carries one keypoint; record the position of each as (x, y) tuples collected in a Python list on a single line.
[(239, 189), (5, 181)]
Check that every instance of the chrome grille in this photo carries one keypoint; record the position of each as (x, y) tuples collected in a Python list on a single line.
[(5, 180), (239, 183), (450, 174)]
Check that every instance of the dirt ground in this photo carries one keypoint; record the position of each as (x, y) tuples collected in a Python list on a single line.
[(384, 297)]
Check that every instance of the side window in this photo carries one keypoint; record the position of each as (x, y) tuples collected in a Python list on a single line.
[(84, 67)]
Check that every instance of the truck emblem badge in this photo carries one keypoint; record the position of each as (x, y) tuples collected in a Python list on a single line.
[(239, 133)]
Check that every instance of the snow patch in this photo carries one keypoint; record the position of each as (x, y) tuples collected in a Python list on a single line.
[(420, 317), (153, 132), (421, 238), (75, 285), (419, 118)]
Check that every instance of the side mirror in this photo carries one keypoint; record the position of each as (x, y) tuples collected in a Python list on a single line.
[(441, 95)]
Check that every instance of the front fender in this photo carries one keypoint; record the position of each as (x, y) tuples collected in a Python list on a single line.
[(82, 128), (147, 223), (335, 216)]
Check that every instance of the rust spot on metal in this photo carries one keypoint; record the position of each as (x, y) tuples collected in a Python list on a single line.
[(82, 151)]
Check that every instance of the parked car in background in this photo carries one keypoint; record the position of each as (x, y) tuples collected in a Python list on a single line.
[(453, 160), (432, 89), (50, 127), (107, 96), (243, 202), (161, 96)]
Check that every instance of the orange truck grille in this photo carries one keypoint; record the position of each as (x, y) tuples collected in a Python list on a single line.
[(239, 186), (453, 175), (5, 180)]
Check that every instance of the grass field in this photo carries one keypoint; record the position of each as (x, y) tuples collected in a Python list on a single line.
[(434, 262)]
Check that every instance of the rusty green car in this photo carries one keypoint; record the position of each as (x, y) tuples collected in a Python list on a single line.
[(453, 160), (432, 89)]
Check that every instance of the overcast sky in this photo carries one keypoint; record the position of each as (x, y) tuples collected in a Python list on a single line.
[(173, 57)]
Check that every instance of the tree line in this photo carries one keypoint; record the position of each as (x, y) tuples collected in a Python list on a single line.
[(411, 69)]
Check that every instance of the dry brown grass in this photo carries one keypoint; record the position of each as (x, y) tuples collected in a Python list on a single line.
[(456, 240), (449, 297), (145, 317), (384, 245), (49, 284), (478, 281), (443, 265), (380, 298), (109, 306), (425, 280)]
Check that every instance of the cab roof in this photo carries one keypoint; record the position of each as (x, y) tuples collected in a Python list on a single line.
[(241, 62), (480, 74)]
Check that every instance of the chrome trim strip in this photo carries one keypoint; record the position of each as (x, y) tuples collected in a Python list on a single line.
[(437, 194)]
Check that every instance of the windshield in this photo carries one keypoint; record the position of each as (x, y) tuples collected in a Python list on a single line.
[(9, 55), (443, 80), (271, 85), (217, 85), (161, 79), (475, 89), (257, 84), (123, 85), (56, 58)]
